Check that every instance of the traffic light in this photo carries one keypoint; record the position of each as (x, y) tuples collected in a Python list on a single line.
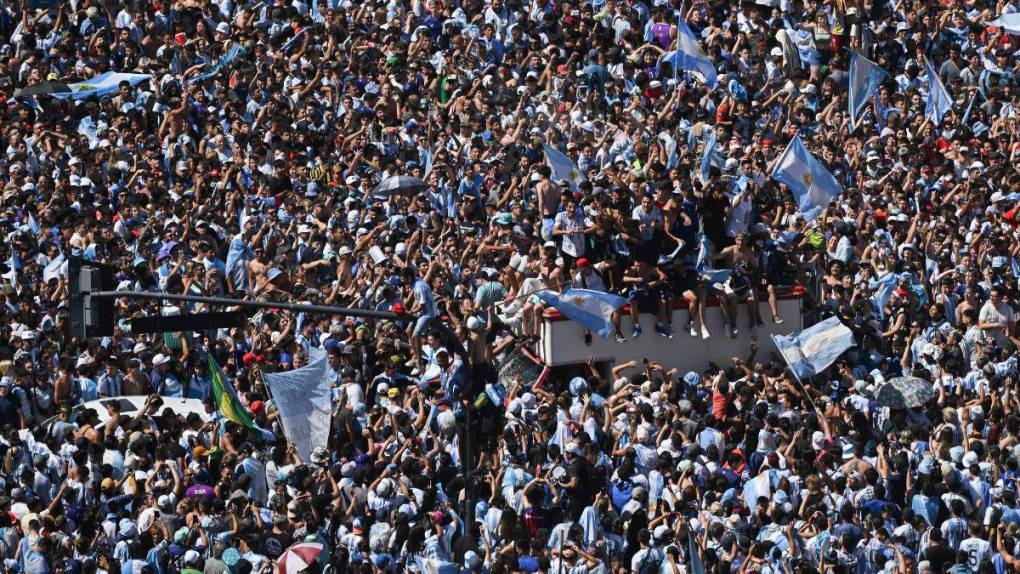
[(90, 316)]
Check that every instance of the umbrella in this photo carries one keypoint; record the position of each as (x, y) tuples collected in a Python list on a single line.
[(42, 88), (400, 185), (905, 393), (200, 491), (298, 557)]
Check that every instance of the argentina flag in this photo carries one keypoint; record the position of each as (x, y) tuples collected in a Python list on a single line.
[(939, 102), (1008, 22), (592, 309), (812, 350), (709, 155), (811, 184), (865, 77), (688, 56), (563, 168)]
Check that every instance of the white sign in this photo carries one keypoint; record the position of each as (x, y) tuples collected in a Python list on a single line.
[(302, 397)]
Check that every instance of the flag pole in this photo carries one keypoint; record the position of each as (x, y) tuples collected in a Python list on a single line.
[(796, 377), (679, 18), (966, 114)]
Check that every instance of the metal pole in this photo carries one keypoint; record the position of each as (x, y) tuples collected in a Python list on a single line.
[(467, 458), (299, 307), (346, 311)]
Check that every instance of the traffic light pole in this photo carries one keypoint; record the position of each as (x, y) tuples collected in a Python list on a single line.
[(225, 301), (458, 347)]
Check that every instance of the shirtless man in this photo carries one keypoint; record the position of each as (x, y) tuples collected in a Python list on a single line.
[(648, 293), (745, 277), (258, 268), (548, 200)]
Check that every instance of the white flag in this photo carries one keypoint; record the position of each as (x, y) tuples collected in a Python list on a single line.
[(756, 488), (302, 398)]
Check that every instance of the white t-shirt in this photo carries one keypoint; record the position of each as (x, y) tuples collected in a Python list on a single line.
[(573, 243), (977, 550), (737, 220), (649, 220), (992, 314)]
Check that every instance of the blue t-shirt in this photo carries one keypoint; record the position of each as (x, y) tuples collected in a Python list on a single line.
[(527, 563)]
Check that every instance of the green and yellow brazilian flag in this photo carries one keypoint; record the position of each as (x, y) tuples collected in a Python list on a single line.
[(227, 401)]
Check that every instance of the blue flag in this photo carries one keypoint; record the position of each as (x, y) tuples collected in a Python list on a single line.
[(1008, 22), (812, 185), (426, 155), (688, 56), (592, 309), (563, 168), (14, 262), (15, 265), (709, 154), (865, 77), (238, 258), (703, 264), (812, 350), (939, 102), (884, 287), (692, 549), (235, 52), (669, 145), (33, 225)]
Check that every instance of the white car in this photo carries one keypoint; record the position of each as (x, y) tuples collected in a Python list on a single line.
[(131, 404)]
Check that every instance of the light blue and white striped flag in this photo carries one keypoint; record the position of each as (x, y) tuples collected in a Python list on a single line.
[(33, 226), (814, 349), (865, 77), (669, 145), (238, 257), (697, 567), (1008, 22), (709, 154), (55, 268), (703, 264), (812, 185), (939, 102), (592, 309), (689, 57), (563, 167)]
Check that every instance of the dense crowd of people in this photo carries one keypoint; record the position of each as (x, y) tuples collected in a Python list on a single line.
[(247, 164)]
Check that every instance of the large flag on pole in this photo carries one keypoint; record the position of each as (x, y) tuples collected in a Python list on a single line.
[(697, 567), (812, 185), (812, 350), (593, 309), (227, 401), (563, 167), (689, 57), (865, 77), (303, 400), (709, 154), (55, 268), (1008, 22), (238, 258), (939, 102), (14, 263)]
